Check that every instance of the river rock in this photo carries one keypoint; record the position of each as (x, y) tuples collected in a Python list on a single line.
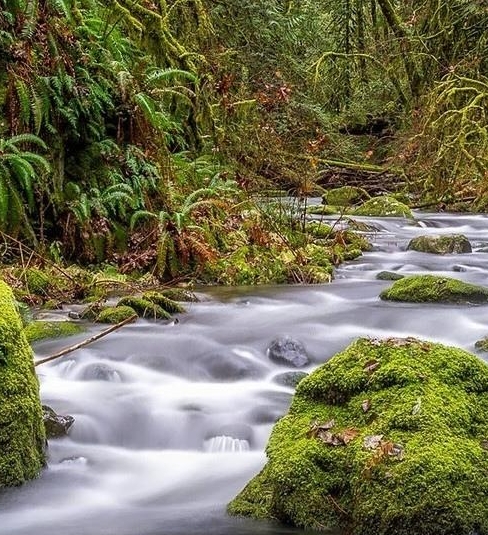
[(449, 244), (389, 276), (57, 426), (289, 378), (435, 289), (288, 351), (384, 206), (415, 462), (100, 372), (228, 366)]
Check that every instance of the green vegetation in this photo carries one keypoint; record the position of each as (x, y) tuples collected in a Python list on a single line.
[(388, 437), (384, 206), (21, 427), (115, 314), (40, 330), (435, 289)]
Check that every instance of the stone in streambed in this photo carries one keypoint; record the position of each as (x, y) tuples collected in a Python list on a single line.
[(414, 462), (449, 244), (290, 379), (288, 351), (56, 426), (435, 289), (389, 276), (114, 315), (345, 196)]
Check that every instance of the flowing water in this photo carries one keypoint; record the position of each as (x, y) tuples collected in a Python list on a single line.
[(172, 419)]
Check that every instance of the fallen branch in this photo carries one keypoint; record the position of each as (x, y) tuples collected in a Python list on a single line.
[(93, 338)]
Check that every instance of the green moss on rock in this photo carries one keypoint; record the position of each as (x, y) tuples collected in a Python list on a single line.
[(180, 294), (345, 196), (388, 437), (384, 206), (144, 308), (434, 289), (172, 307), (450, 244), (115, 314), (41, 330), (22, 437)]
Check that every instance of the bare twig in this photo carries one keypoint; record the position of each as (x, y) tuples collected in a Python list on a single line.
[(93, 338)]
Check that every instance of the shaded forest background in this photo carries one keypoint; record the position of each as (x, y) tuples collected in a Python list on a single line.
[(141, 132)]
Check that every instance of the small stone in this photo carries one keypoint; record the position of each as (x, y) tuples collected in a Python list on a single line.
[(287, 350)]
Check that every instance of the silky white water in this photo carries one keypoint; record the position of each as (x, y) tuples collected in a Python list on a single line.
[(172, 420)]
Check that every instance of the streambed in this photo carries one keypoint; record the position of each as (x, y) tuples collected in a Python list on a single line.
[(172, 419)]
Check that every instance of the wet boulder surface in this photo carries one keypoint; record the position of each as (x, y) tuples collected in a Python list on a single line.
[(22, 435), (388, 437)]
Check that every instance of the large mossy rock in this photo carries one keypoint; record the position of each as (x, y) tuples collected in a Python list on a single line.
[(388, 438), (435, 289), (345, 196), (22, 437), (384, 206), (449, 244)]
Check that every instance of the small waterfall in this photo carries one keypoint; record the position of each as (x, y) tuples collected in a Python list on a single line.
[(225, 444)]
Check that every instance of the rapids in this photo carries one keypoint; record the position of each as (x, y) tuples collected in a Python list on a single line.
[(171, 420)]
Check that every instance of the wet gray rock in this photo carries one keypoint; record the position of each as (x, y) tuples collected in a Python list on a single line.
[(449, 244), (288, 351), (57, 426), (228, 366), (99, 372), (389, 276), (289, 378)]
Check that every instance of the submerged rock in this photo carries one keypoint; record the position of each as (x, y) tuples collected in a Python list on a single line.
[(289, 378), (22, 436), (450, 244), (413, 462), (288, 351), (57, 426), (434, 289), (384, 206)]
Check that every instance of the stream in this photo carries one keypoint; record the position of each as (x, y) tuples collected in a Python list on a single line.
[(171, 420)]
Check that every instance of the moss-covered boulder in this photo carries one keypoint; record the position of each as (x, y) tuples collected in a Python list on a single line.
[(22, 436), (450, 244), (345, 196), (384, 206), (144, 308), (322, 209), (388, 438), (116, 314), (41, 330), (435, 289), (165, 302)]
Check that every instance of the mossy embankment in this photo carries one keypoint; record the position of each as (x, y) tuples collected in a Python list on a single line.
[(388, 437), (22, 436)]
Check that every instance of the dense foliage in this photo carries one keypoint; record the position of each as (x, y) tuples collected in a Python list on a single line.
[(134, 131)]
